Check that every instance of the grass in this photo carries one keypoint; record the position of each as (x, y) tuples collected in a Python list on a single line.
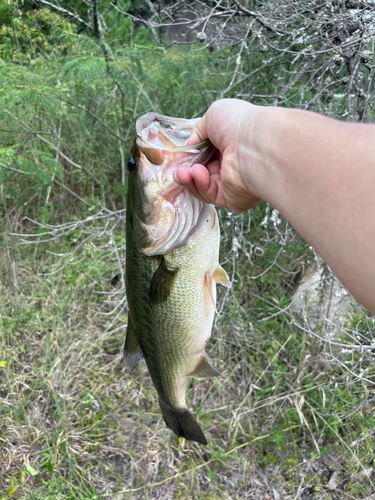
[(287, 412)]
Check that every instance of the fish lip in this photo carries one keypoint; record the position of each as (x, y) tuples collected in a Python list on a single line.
[(145, 120)]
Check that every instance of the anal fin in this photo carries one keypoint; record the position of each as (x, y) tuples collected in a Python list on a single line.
[(132, 350), (204, 369)]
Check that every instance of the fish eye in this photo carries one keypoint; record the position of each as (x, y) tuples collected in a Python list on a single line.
[(131, 164)]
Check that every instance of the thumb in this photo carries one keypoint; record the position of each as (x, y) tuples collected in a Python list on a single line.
[(199, 132)]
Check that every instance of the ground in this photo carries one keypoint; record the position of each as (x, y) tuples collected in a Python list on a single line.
[(286, 419)]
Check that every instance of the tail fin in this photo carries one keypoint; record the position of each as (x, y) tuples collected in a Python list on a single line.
[(182, 423)]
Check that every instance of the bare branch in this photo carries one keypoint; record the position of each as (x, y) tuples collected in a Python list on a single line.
[(295, 79), (64, 12), (260, 19)]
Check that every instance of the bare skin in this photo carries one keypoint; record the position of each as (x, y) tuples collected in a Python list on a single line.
[(317, 172)]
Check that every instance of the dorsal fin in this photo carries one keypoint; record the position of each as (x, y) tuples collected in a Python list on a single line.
[(132, 350)]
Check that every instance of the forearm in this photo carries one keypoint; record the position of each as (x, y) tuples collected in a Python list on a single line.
[(320, 174)]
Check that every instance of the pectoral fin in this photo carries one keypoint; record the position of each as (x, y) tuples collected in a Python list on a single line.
[(210, 284), (162, 282), (132, 350), (205, 369), (220, 276)]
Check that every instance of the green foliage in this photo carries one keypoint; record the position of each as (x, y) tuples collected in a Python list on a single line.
[(6, 11), (25, 36), (121, 33), (80, 101)]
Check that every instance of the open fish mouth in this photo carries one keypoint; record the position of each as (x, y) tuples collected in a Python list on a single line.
[(160, 138), (169, 213)]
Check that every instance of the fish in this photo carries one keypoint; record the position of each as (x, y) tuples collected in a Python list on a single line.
[(172, 267)]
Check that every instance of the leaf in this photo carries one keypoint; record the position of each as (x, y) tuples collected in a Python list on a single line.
[(22, 477), (12, 490), (30, 470), (332, 484)]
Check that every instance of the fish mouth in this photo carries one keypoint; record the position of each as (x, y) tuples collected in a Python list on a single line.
[(162, 138), (174, 213), (164, 132)]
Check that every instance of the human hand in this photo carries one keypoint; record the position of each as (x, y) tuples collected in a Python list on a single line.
[(225, 182)]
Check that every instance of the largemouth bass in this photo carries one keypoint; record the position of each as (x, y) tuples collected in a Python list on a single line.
[(172, 267)]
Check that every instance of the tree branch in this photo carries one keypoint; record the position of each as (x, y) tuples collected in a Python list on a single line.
[(296, 77), (55, 148), (260, 19), (53, 180), (64, 12)]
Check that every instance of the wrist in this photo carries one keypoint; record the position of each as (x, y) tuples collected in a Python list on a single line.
[(256, 148)]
